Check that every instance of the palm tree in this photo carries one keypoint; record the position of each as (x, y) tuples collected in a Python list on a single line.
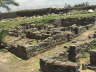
[(5, 3)]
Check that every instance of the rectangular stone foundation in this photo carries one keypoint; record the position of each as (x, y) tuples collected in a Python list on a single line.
[(26, 52), (58, 66), (48, 42), (58, 63), (30, 51), (64, 63)]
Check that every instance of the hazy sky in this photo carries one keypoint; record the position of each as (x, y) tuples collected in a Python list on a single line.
[(30, 4)]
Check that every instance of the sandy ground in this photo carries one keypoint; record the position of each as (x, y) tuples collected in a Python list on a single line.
[(11, 63)]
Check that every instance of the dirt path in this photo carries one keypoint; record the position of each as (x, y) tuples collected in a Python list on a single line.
[(11, 63)]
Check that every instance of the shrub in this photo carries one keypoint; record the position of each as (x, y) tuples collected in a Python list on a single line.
[(3, 33)]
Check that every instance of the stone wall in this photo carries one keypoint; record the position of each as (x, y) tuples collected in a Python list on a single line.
[(71, 21), (73, 53), (47, 43), (49, 36), (18, 50), (57, 64), (92, 57), (41, 32)]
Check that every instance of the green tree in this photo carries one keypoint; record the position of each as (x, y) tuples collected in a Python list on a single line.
[(82, 4), (5, 3)]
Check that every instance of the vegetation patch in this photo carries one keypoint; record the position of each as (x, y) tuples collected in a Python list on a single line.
[(44, 19)]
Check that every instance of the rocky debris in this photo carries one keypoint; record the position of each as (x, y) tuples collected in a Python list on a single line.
[(93, 35)]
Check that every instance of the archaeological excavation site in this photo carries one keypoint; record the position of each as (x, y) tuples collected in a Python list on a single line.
[(48, 40)]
